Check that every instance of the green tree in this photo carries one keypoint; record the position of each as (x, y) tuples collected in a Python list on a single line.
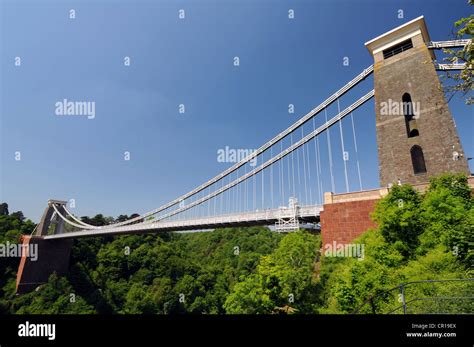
[(448, 212), (283, 282), (399, 218), (55, 297)]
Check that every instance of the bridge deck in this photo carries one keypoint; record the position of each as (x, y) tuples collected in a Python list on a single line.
[(308, 214)]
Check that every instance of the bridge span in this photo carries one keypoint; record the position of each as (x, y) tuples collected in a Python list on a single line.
[(284, 219)]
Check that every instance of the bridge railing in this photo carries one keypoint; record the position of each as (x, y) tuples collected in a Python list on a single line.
[(447, 296)]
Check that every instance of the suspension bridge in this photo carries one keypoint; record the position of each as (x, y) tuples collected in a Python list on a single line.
[(282, 183)]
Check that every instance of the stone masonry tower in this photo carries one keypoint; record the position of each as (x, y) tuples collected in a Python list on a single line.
[(416, 135)]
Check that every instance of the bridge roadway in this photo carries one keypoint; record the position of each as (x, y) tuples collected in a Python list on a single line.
[(309, 214)]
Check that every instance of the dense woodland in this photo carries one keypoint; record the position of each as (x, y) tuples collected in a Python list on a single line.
[(258, 271)]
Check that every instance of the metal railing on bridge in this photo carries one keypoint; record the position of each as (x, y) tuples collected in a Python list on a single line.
[(445, 296)]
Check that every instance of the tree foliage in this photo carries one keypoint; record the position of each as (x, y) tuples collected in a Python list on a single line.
[(462, 82), (399, 219), (283, 281)]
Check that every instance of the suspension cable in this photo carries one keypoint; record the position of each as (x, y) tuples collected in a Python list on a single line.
[(344, 159), (304, 168), (309, 173), (271, 178), (321, 193), (281, 176), (356, 152), (316, 155), (330, 154), (84, 225), (293, 167), (263, 189), (67, 220)]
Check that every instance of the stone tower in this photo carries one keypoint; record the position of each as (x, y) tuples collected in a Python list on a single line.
[(416, 135)]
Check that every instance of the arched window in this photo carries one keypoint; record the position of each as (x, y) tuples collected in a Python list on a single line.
[(410, 121), (418, 160)]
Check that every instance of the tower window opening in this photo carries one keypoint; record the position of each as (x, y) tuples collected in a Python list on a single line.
[(399, 48), (410, 120), (418, 160)]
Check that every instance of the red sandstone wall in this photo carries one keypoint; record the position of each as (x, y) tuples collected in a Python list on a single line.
[(343, 222), (25, 240)]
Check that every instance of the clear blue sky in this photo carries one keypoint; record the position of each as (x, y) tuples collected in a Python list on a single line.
[(177, 61)]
